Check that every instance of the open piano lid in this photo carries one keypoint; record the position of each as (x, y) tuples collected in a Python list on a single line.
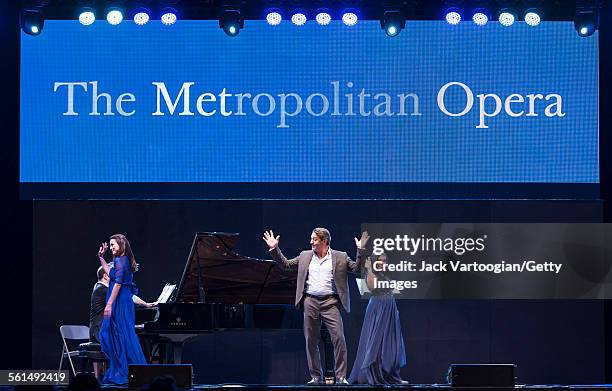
[(230, 278)]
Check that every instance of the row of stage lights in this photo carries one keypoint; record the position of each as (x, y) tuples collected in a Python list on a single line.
[(231, 21), (323, 17), (169, 16), (586, 20), (393, 21), (506, 17), (141, 16)]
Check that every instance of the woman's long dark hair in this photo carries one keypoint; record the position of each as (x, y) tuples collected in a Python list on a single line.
[(125, 249)]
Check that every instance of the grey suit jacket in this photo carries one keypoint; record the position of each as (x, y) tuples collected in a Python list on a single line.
[(341, 265)]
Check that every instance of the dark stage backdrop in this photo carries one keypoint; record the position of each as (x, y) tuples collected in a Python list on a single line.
[(551, 341)]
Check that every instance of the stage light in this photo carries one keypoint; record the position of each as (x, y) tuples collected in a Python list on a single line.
[(169, 16), (231, 21), (453, 16), (141, 16), (87, 16), (480, 17), (349, 17), (586, 21), (532, 17), (393, 22), (506, 17), (323, 17), (32, 21), (298, 18), (114, 16), (274, 17)]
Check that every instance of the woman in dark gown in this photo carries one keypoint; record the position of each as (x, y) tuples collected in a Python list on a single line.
[(117, 335), (381, 352)]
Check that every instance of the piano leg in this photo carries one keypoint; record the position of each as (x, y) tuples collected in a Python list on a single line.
[(177, 352), (158, 348), (146, 344), (165, 352), (175, 342)]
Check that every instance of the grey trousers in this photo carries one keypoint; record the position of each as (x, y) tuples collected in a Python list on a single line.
[(327, 310)]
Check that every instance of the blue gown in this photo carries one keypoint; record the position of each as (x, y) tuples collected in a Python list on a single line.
[(381, 350), (117, 335)]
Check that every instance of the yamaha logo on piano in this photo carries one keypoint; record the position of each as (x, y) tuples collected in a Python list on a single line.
[(178, 322)]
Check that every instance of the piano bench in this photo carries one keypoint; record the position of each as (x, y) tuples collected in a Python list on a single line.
[(90, 352)]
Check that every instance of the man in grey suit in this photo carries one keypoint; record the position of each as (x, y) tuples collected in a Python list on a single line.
[(322, 288)]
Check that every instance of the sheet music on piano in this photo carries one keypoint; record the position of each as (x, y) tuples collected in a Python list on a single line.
[(166, 292), (144, 315)]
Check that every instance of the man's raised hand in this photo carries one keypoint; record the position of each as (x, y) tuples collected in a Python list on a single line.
[(270, 240), (361, 243)]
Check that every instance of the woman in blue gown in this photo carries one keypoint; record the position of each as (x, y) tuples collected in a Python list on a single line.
[(381, 352), (117, 335)]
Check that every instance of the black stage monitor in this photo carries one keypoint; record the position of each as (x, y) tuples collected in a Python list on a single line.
[(481, 375)]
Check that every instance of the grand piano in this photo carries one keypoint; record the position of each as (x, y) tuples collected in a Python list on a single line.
[(221, 290)]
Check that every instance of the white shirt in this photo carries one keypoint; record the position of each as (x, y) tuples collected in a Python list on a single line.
[(320, 281)]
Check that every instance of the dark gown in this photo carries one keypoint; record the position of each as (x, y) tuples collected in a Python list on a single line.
[(117, 335), (381, 352)]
